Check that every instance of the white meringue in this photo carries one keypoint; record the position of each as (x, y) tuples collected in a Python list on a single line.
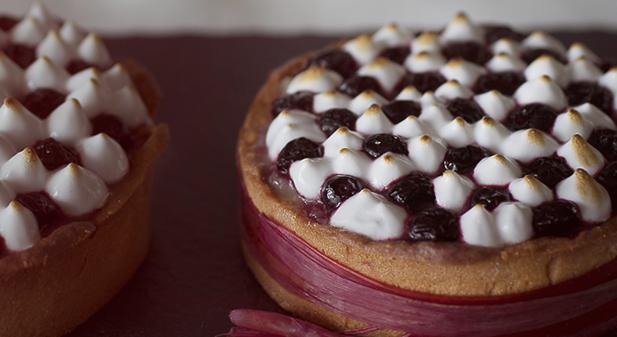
[(465, 72), (541, 40), (592, 199), (595, 116), (77, 190), (387, 168), (530, 191), (351, 162), (541, 90), (495, 104), (71, 33), (578, 50), (129, 107), (392, 35), (18, 227), (435, 117), (362, 49), (92, 96), (68, 123), (364, 100), (490, 134), (410, 127), (28, 31), (103, 156), (453, 89), (460, 28), (513, 221), (369, 214), (373, 121), (424, 61), (43, 73), (409, 93), (426, 153), (92, 50), (342, 138), (496, 170), (527, 145), (452, 190), (570, 123), (11, 76), (19, 125), (24, 172), (117, 77), (426, 42), (580, 154), (546, 65), (288, 132), (332, 99), (583, 70), (457, 133), (309, 174), (503, 62), (54, 48), (478, 228), (82, 78), (315, 79), (506, 46), (386, 72)]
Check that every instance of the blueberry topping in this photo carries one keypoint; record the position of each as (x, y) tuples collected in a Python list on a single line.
[(435, 224), (470, 51), (54, 154), (396, 54), (302, 100), (42, 102), (496, 32), (490, 197), (428, 81), (22, 55), (44, 209), (468, 109), (333, 119), (355, 85), (339, 188), (605, 141), (504, 82), (7, 22), (463, 159), (549, 170), (337, 60), (414, 192), (399, 110), (608, 179), (295, 150), (78, 65), (110, 125), (587, 92), (556, 218), (535, 115), (530, 55), (378, 144)]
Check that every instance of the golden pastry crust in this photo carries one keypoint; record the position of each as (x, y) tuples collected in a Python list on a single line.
[(431, 267), (52, 287)]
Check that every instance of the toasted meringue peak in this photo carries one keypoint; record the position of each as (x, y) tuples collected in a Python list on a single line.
[(92, 96), (410, 127), (460, 28), (583, 69), (364, 100), (7, 150), (362, 49), (527, 145), (541, 40), (547, 65), (530, 191), (496, 170), (77, 190), (426, 153), (351, 162), (570, 123), (18, 227), (309, 174), (580, 154), (129, 107), (409, 93), (435, 117), (578, 50), (490, 134), (290, 125), (373, 121), (24, 172), (45, 74), (68, 123), (19, 125), (103, 156), (371, 215), (54, 47), (503, 62), (342, 138), (426, 42), (465, 72), (117, 77), (42, 15), (541, 90), (506, 46), (315, 79), (6, 194), (386, 72), (513, 221), (452, 190), (71, 33), (424, 61), (609, 80), (478, 227), (592, 199), (495, 104), (453, 89), (332, 99), (457, 133), (392, 35), (11, 76), (387, 168), (81, 79), (595, 116), (28, 31), (92, 50), (429, 99)]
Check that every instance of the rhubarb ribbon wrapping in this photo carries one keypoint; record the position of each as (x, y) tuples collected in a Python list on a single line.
[(581, 307)]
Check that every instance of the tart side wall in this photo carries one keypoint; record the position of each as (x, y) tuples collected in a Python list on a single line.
[(452, 269)]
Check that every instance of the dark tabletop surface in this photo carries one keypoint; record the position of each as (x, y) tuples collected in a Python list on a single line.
[(195, 274)]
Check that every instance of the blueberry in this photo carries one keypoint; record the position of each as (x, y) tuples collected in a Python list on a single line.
[(302, 100), (605, 141), (490, 197), (608, 178), (427, 81), (414, 192), (495, 32), (549, 170), (295, 150), (504, 82), (355, 85), (535, 115), (42, 102), (396, 54), (399, 110), (587, 92), (44, 209), (435, 224), (531, 54), (556, 218), (54, 154), (337, 60), (339, 188), (470, 51), (333, 119), (378, 144), (468, 109), (463, 159)]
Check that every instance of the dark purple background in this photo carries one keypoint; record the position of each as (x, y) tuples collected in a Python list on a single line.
[(195, 274)]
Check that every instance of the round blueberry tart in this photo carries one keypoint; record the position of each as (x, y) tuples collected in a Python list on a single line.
[(456, 182), (77, 145)]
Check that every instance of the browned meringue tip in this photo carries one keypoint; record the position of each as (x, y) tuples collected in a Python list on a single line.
[(587, 186), (535, 136), (425, 139), (532, 181), (373, 109), (461, 16), (583, 151), (342, 130), (426, 37), (30, 155)]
